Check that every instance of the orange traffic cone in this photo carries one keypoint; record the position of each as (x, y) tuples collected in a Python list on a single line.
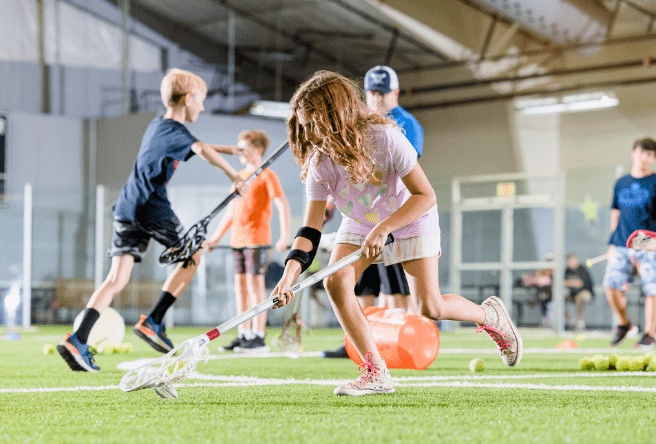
[(403, 340)]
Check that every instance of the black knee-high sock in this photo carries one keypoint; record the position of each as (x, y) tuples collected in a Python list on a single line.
[(165, 301), (90, 317)]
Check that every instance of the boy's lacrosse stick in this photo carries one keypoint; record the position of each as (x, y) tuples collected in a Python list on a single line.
[(190, 243), (595, 260), (161, 373), (642, 240)]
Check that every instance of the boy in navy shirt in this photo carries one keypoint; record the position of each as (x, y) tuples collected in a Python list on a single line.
[(633, 208), (143, 211)]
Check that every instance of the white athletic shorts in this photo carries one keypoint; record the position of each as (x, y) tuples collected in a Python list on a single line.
[(400, 250)]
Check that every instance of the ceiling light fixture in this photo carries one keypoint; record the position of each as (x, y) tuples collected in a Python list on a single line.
[(270, 109)]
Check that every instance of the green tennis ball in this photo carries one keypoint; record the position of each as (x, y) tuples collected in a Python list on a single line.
[(602, 364), (586, 364), (476, 365), (636, 364), (612, 360), (48, 349), (651, 366), (647, 358), (125, 348), (623, 363)]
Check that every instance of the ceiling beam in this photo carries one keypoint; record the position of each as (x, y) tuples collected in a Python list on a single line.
[(556, 73), (391, 29), (553, 49), (506, 97), (506, 21)]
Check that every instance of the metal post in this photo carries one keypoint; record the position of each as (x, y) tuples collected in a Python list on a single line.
[(199, 295), (27, 255), (231, 60), (125, 66), (44, 81), (60, 68), (558, 289), (100, 231), (507, 228), (456, 237)]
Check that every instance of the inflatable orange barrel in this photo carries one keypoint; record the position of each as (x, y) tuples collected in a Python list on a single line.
[(403, 340)]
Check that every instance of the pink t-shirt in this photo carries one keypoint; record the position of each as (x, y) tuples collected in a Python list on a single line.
[(365, 204)]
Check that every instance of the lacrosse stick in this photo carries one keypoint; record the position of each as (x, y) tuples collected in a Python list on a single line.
[(642, 240), (595, 260), (161, 373), (190, 243)]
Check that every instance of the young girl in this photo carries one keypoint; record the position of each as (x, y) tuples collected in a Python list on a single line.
[(368, 166)]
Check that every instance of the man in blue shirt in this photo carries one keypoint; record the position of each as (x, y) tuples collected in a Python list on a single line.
[(381, 86), (633, 208)]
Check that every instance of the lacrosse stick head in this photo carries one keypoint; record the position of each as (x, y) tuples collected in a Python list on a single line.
[(289, 339), (184, 249), (642, 240), (161, 373)]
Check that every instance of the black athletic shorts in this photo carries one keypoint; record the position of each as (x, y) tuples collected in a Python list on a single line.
[(393, 280), (369, 282), (131, 238), (250, 260)]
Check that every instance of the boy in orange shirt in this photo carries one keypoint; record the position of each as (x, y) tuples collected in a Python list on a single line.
[(250, 219)]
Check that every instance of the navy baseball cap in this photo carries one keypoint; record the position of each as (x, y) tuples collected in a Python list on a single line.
[(381, 79)]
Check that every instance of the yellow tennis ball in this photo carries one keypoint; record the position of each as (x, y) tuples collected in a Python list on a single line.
[(476, 365), (48, 349), (125, 348), (623, 363), (637, 364), (586, 364)]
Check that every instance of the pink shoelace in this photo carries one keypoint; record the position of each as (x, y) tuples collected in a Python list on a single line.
[(496, 335), (368, 370)]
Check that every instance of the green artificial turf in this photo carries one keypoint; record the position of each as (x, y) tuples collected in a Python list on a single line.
[(216, 412)]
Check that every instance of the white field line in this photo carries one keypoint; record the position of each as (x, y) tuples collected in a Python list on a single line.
[(404, 381), (129, 365)]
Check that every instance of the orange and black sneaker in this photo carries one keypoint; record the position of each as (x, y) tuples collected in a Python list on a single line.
[(154, 334), (77, 355)]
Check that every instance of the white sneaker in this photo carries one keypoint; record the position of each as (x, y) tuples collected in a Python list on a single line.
[(375, 380), (502, 331)]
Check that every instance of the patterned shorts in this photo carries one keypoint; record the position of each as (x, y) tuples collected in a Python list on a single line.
[(619, 269), (401, 250)]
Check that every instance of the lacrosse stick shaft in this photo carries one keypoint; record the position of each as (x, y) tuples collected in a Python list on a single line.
[(264, 306), (595, 260)]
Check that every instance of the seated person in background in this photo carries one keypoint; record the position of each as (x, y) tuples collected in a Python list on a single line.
[(541, 281), (579, 284)]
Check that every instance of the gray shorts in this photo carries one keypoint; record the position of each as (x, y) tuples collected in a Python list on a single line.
[(619, 269), (130, 238)]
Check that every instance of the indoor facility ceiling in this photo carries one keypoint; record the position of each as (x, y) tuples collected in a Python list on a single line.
[(447, 52)]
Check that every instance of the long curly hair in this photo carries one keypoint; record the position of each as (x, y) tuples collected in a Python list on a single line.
[(334, 107)]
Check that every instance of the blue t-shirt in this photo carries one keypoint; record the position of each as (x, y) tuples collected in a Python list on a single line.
[(143, 199), (413, 130), (636, 200)]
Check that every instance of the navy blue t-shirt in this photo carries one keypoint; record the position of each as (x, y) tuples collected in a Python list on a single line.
[(413, 129), (143, 199), (636, 200)]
